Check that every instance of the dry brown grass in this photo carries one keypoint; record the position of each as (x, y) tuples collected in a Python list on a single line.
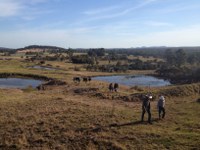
[(58, 118)]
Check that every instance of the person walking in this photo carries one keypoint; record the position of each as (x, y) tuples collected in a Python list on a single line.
[(161, 106), (146, 107)]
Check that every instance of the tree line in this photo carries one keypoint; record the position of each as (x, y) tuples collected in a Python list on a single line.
[(180, 67)]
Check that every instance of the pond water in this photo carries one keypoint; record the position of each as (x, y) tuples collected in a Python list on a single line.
[(136, 80), (42, 67), (18, 83)]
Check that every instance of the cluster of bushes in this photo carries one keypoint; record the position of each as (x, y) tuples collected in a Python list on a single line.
[(96, 52), (180, 67), (114, 57), (138, 64), (37, 56), (107, 68), (180, 74), (82, 59), (33, 53)]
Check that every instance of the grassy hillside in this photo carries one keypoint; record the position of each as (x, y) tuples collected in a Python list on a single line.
[(59, 118)]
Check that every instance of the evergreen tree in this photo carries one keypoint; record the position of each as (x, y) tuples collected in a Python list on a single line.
[(180, 57)]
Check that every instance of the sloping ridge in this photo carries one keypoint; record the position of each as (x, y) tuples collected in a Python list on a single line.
[(182, 90)]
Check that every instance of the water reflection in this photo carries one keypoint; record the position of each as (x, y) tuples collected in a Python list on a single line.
[(134, 80), (18, 83)]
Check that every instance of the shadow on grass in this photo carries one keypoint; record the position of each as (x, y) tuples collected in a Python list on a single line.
[(101, 128)]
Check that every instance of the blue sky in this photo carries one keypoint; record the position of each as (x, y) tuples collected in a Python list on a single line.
[(99, 23)]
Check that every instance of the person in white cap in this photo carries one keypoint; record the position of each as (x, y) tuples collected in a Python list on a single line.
[(146, 107), (161, 106)]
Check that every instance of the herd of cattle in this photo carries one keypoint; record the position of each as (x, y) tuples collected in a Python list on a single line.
[(84, 79), (57, 82)]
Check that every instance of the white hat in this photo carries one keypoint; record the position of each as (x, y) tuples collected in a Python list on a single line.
[(162, 98)]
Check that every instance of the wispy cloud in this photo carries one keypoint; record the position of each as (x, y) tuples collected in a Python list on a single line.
[(33, 2), (116, 11), (101, 10), (158, 24), (185, 36), (9, 8), (178, 8), (34, 13)]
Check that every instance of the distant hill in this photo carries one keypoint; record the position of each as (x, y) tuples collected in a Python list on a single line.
[(40, 48), (9, 50), (4, 48)]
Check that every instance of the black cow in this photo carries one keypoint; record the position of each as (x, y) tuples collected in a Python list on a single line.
[(77, 79), (41, 87), (89, 79), (86, 79), (116, 86)]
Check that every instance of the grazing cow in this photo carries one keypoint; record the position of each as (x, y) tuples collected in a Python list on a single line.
[(89, 79), (40, 87), (86, 79), (77, 79), (116, 86), (110, 87)]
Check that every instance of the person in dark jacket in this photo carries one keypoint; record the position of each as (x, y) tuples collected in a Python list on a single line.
[(161, 106), (146, 107)]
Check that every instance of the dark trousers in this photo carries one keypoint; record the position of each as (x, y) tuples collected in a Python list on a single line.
[(161, 110), (149, 114)]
